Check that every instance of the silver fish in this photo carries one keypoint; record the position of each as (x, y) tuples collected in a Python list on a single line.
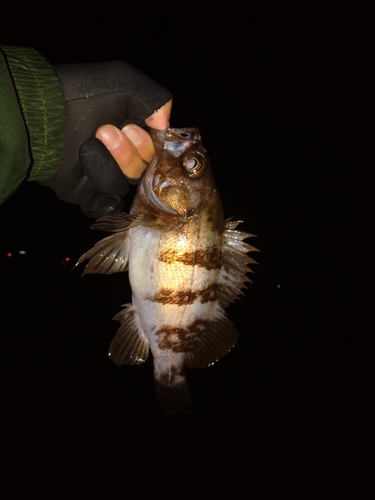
[(186, 264)]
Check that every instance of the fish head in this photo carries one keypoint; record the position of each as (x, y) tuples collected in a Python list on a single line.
[(178, 180)]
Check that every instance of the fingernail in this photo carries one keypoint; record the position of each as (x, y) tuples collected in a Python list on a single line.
[(159, 120), (133, 134), (110, 136)]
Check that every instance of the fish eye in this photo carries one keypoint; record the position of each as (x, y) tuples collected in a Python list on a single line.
[(194, 164)]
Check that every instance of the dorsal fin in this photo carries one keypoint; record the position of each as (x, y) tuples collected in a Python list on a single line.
[(130, 345), (235, 263)]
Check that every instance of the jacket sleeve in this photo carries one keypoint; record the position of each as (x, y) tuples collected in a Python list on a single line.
[(32, 115)]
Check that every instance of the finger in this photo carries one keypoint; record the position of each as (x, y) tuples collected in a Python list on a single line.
[(160, 119), (141, 140), (132, 146), (122, 149)]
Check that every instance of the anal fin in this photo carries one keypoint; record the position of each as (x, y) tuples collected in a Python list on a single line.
[(130, 345)]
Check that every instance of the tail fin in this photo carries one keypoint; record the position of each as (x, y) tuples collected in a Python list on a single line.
[(174, 397)]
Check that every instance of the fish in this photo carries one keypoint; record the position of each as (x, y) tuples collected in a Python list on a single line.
[(186, 264)]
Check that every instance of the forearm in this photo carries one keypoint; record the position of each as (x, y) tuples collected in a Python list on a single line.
[(50, 115)]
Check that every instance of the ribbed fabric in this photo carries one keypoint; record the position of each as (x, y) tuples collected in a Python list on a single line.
[(15, 159), (40, 96)]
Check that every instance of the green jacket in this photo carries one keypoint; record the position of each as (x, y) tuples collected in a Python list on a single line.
[(32, 115)]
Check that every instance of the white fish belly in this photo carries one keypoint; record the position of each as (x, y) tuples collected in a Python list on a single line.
[(172, 298)]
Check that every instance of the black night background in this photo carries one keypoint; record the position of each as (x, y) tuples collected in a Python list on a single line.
[(280, 92)]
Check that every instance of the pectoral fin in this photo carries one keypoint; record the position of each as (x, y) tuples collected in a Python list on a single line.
[(111, 254), (122, 222), (130, 345), (218, 339)]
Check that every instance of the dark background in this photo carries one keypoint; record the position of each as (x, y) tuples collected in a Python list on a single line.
[(281, 93)]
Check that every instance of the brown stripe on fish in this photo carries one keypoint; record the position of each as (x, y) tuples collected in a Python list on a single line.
[(185, 297), (210, 258), (179, 339)]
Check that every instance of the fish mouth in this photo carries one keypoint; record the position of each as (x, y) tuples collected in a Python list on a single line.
[(153, 189), (175, 140)]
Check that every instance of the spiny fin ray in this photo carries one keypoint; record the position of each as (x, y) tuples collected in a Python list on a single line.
[(234, 263)]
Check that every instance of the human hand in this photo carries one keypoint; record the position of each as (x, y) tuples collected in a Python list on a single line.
[(132, 146), (97, 94)]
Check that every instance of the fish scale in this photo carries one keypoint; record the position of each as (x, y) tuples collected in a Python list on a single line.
[(186, 265)]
